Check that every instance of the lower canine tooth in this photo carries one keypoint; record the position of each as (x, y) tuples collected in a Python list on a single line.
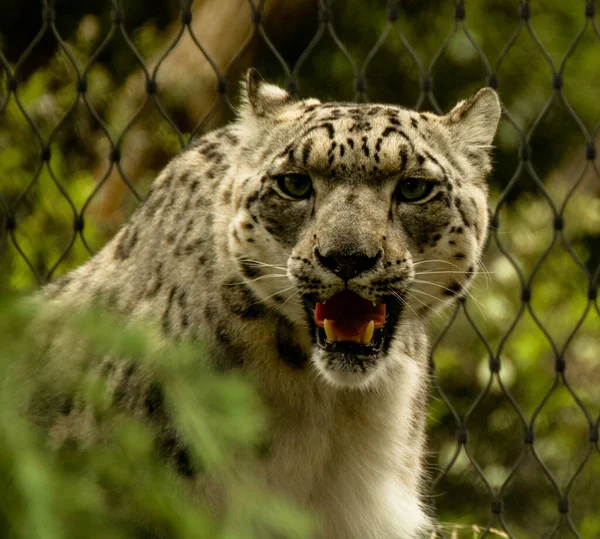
[(329, 331), (368, 334)]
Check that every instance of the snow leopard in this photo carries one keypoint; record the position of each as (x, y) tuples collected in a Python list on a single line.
[(306, 245)]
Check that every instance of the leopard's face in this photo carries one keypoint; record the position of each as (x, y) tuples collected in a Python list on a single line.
[(367, 217)]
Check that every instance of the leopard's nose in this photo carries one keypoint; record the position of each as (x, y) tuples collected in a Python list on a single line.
[(345, 266)]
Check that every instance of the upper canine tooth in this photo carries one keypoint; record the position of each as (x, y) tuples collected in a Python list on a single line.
[(368, 334), (329, 331)]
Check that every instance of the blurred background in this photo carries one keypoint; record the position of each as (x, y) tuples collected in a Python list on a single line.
[(97, 96)]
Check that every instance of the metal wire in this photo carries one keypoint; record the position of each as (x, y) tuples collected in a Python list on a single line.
[(326, 32)]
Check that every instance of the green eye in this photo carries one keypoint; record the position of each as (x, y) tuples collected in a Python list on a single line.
[(413, 189), (295, 185)]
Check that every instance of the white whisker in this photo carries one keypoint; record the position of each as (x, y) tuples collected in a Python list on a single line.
[(450, 272), (437, 260), (477, 303), (420, 301), (486, 272), (427, 293), (259, 263), (270, 276), (402, 300), (278, 292), (293, 295)]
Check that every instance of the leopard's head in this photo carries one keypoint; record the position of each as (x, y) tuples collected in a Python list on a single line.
[(356, 220)]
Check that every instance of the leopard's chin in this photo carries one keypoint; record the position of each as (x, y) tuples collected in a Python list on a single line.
[(347, 369), (342, 375)]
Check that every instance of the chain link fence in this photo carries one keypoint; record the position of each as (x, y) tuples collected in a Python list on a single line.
[(515, 413)]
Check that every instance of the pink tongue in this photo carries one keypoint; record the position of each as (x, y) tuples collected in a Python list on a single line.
[(349, 330)]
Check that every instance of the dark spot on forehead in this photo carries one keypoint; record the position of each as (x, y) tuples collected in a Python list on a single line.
[(403, 158), (364, 146), (306, 149), (429, 156)]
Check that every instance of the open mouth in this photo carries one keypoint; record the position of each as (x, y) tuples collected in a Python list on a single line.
[(348, 323)]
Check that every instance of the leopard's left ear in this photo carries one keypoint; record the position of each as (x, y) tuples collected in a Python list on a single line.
[(262, 98), (475, 120)]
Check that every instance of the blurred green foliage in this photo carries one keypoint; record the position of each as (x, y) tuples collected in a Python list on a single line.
[(538, 117), (119, 487)]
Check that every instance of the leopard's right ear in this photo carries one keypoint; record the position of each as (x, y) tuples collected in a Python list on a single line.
[(261, 98), (475, 120)]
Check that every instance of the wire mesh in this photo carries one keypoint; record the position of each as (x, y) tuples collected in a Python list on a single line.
[(526, 453)]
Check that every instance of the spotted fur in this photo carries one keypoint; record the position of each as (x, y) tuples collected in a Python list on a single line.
[(217, 252)]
